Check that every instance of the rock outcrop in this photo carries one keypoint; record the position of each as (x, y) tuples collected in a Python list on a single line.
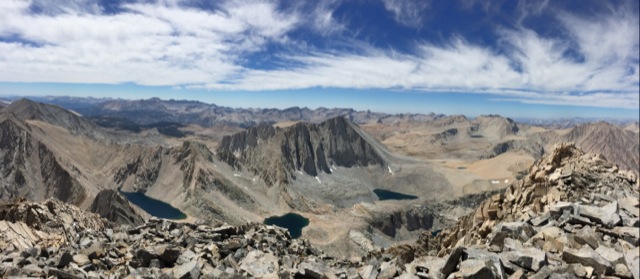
[(411, 219), (54, 239), (276, 154), (575, 215), (144, 169), (113, 206), (529, 147)]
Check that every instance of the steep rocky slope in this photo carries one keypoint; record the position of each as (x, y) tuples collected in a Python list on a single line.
[(187, 177), (618, 145), (29, 168), (48, 152), (276, 154), (25, 109), (575, 214)]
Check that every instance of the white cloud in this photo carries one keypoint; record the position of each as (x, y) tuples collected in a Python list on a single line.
[(169, 44), (151, 44), (545, 75), (323, 20), (407, 12)]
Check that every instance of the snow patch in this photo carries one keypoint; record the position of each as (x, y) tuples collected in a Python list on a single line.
[(237, 175), (506, 181), (495, 181), (76, 113), (390, 171), (318, 180)]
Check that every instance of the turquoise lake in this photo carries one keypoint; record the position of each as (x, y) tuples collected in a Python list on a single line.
[(290, 221)]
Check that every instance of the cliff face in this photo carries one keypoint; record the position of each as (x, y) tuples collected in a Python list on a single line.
[(275, 154), (29, 169), (144, 168), (411, 219)]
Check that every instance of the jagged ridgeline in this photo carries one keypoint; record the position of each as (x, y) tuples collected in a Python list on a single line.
[(276, 154)]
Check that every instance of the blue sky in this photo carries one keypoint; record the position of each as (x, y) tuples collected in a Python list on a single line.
[(515, 58)]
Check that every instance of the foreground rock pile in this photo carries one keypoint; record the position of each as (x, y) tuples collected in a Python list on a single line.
[(574, 216), (157, 249)]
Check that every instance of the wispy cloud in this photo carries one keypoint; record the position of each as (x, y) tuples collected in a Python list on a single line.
[(149, 44), (532, 69), (595, 63), (323, 20), (407, 12)]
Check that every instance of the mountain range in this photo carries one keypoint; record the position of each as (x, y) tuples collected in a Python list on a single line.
[(243, 165), (570, 230)]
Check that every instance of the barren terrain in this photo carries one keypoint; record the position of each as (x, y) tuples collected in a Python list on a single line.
[(448, 162)]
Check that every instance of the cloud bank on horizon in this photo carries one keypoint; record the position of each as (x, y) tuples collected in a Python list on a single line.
[(583, 53)]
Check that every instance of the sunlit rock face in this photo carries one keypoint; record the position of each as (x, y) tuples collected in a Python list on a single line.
[(276, 154)]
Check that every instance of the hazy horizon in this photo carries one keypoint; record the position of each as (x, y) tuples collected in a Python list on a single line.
[(232, 100), (536, 59)]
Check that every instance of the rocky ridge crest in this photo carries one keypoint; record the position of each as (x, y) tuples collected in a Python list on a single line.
[(575, 215)]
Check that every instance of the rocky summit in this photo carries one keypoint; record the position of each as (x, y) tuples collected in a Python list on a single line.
[(574, 216)]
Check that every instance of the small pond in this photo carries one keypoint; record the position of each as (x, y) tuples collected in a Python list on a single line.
[(391, 195), (462, 168), (154, 207), (290, 221)]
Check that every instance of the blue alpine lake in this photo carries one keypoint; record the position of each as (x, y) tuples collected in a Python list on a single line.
[(154, 207), (391, 195), (290, 221)]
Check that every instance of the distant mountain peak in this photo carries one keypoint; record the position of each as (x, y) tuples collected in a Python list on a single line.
[(25, 109)]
